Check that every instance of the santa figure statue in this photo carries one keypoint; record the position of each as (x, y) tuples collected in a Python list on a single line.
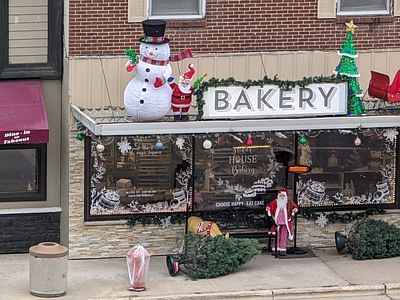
[(182, 95), (282, 210)]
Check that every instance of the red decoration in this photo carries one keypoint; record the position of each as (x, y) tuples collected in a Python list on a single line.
[(249, 142)]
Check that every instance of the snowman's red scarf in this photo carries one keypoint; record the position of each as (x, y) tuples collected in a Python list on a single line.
[(153, 61), (181, 55), (174, 57)]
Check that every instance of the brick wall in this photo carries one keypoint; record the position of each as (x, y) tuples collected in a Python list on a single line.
[(100, 28)]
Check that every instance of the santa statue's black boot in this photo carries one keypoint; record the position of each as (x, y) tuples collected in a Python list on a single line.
[(184, 117), (177, 117)]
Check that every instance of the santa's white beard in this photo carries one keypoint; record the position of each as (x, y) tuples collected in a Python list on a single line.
[(184, 88), (281, 203)]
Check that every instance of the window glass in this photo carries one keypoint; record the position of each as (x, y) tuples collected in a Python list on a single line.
[(176, 8), (363, 6), (136, 175), (18, 171), (23, 172), (348, 168), (240, 170)]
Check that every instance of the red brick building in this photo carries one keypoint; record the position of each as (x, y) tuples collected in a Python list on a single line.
[(103, 28)]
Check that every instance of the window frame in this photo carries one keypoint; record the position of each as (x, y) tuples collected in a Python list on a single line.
[(41, 162), (364, 12), (50, 70), (88, 168), (201, 15), (349, 207)]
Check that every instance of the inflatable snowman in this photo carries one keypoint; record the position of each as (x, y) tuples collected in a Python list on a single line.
[(147, 97)]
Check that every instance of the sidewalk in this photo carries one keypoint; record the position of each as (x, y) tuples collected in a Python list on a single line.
[(328, 275)]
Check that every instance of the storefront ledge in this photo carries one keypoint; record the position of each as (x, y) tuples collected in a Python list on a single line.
[(107, 128), (105, 223), (392, 287), (338, 291), (18, 211)]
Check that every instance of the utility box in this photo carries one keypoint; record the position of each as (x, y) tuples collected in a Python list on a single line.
[(48, 269)]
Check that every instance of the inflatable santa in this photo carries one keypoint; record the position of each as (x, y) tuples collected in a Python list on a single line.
[(282, 210), (182, 95)]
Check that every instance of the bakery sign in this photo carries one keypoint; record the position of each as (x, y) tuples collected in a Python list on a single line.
[(270, 101)]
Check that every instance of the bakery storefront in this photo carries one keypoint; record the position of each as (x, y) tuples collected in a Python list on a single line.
[(228, 164)]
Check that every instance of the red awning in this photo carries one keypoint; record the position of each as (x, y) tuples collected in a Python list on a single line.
[(23, 118)]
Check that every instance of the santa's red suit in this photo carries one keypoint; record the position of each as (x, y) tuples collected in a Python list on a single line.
[(180, 100), (282, 210), (182, 95)]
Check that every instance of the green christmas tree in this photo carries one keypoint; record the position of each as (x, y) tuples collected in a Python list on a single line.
[(347, 67)]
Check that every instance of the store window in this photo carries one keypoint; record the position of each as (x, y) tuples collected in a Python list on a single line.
[(240, 169), (177, 9), (138, 175), (23, 172), (349, 168), (31, 35), (328, 9), (363, 7)]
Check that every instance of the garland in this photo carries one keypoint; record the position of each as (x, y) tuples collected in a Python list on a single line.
[(309, 214), (335, 217), (155, 219), (284, 84)]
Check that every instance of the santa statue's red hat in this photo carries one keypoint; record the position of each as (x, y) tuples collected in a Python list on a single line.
[(189, 74), (284, 191)]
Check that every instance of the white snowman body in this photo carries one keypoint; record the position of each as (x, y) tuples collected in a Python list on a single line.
[(143, 101)]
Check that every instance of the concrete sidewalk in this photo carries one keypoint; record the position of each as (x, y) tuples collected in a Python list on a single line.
[(328, 275)]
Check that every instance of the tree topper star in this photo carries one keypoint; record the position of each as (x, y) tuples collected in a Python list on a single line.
[(351, 26)]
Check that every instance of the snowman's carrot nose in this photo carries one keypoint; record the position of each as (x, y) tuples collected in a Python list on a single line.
[(151, 52)]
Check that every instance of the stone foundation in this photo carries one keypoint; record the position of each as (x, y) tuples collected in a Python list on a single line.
[(311, 235)]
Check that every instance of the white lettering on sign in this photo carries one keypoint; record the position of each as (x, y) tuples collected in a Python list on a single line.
[(272, 101), (240, 203), (222, 204), (15, 137), (240, 161)]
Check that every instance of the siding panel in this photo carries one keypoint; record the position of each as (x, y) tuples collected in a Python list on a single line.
[(28, 25), (88, 87)]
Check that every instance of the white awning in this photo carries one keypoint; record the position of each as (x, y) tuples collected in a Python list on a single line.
[(113, 121)]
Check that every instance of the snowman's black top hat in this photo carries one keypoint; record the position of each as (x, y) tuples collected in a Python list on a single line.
[(154, 32)]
